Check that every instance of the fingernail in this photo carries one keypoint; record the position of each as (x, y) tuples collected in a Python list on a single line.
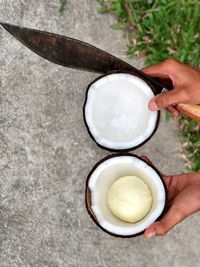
[(151, 234), (153, 106)]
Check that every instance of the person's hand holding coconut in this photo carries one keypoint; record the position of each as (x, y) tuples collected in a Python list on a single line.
[(183, 200), (184, 189)]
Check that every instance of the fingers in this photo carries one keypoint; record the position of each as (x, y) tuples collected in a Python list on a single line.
[(163, 69), (185, 203), (162, 227), (167, 68), (185, 81), (164, 100), (145, 158), (173, 111), (167, 179)]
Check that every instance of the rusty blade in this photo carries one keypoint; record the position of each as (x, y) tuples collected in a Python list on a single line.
[(73, 53), (66, 51)]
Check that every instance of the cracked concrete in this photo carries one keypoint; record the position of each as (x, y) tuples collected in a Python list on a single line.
[(46, 153)]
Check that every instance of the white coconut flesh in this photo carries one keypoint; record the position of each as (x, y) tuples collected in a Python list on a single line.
[(129, 199), (103, 178), (116, 111)]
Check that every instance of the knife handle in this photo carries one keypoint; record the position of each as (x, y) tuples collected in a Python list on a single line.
[(192, 111)]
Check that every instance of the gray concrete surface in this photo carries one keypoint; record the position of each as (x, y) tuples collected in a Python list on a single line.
[(46, 153)]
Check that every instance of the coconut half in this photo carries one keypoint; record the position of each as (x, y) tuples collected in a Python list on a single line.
[(116, 111), (100, 180)]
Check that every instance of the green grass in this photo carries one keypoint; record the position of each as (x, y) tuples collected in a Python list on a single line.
[(190, 133), (167, 28), (61, 5), (163, 29)]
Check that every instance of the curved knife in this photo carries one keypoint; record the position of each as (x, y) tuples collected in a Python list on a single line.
[(73, 53)]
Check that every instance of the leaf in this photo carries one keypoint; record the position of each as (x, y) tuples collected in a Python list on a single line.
[(168, 115), (103, 10), (62, 4), (118, 26)]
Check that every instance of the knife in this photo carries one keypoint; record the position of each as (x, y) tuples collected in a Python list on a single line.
[(76, 54)]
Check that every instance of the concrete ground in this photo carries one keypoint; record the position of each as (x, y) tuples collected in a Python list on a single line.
[(46, 153)]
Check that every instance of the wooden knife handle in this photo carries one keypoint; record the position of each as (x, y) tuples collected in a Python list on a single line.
[(192, 111)]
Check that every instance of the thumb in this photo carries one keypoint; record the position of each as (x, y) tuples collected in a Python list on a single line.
[(162, 227), (164, 100)]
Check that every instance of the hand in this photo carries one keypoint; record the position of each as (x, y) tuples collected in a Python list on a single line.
[(186, 82), (183, 192)]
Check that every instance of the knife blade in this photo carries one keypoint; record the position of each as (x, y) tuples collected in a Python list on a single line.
[(74, 53)]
